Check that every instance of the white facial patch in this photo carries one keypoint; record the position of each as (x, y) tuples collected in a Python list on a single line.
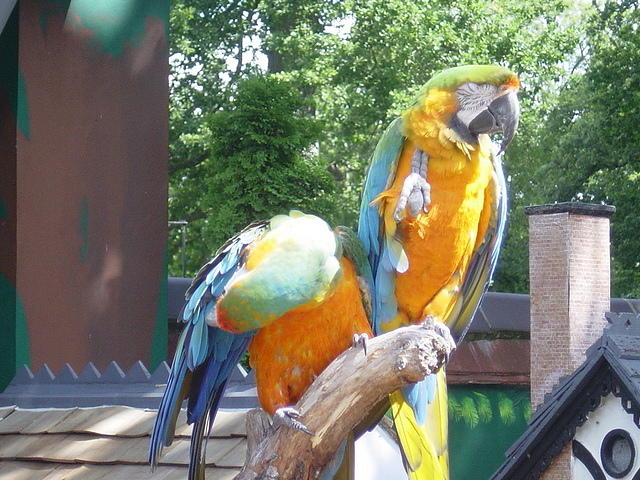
[(473, 98)]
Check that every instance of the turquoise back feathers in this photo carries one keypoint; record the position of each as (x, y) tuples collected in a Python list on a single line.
[(295, 264)]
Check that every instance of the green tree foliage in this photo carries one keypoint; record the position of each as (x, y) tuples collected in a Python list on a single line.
[(585, 146), (260, 163), (357, 64)]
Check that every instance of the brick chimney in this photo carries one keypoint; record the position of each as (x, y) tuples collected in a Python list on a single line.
[(569, 265)]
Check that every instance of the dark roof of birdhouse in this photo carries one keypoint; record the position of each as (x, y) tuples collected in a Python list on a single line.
[(612, 365)]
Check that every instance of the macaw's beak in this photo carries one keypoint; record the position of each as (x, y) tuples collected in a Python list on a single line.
[(502, 115), (506, 111)]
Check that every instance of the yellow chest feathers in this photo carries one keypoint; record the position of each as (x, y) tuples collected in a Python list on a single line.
[(426, 125)]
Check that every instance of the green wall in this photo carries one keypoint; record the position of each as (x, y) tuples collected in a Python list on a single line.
[(484, 421)]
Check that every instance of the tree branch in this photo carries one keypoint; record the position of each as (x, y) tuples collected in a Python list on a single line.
[(175, 165), (338, 400)]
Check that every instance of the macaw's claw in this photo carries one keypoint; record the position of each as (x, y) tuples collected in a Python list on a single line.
[(360, 339), (416, 192), (288, 416), (442, 330), (415, 197)]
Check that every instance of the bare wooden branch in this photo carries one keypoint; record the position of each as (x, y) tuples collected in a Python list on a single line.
[(258, 428), (339, 399)]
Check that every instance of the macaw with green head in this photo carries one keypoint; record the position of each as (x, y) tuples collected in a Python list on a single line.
[(292, 291), (432, 219)]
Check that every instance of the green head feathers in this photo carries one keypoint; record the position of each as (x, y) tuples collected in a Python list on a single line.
[(452, 78)]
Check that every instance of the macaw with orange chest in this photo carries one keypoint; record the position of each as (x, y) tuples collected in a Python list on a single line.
[(432, 219), (292, 291)]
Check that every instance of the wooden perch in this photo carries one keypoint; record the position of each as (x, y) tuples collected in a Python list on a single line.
[(338, 400)]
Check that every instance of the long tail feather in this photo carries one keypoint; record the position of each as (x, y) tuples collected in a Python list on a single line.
[(198, 457), (176, 391), (423, 435)]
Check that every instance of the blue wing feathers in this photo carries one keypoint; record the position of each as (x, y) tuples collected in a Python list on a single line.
[(194, 301), (198, 343), (383, 167), (385, 297), (215, 271), (217, 286), (197, 462), (162, 433), (205, 356), (227, 350), (230, 260), (382, 170)]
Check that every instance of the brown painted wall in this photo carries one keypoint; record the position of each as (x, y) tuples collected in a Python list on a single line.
[(91, 188)]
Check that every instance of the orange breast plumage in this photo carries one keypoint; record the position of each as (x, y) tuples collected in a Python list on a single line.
[(288, 354), (440, 243)]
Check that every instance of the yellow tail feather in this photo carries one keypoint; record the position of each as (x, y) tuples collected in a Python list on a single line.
[(425, 447)]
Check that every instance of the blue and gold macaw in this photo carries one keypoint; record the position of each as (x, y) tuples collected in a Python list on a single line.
[(432, 219), (292, 291)]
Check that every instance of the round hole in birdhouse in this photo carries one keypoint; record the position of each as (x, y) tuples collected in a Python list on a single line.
[(617, 453)]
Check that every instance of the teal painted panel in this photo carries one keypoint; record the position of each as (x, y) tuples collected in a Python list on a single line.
[(160, 338), (11, 79), (83, 230), (115, 24), (23, 349), (22, 109), (484, 421), (14, 341)]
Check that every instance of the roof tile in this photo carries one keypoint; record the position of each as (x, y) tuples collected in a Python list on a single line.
[(33, 421), (20, 470), (13, 445), (26, 470), (108, 443), (6, 411), (178, 452), (234, 457), (113, 421)]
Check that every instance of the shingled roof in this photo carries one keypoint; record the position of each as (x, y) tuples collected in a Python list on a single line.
[(612, 365), (109, 442)]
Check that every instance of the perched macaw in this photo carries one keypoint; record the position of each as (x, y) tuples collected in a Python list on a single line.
[(432, 218), (291, 290)]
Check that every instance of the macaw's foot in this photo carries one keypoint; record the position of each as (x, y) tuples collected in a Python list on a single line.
[(442, 330), (415, 196), (288, 416), (416, 192), (360, 339)]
